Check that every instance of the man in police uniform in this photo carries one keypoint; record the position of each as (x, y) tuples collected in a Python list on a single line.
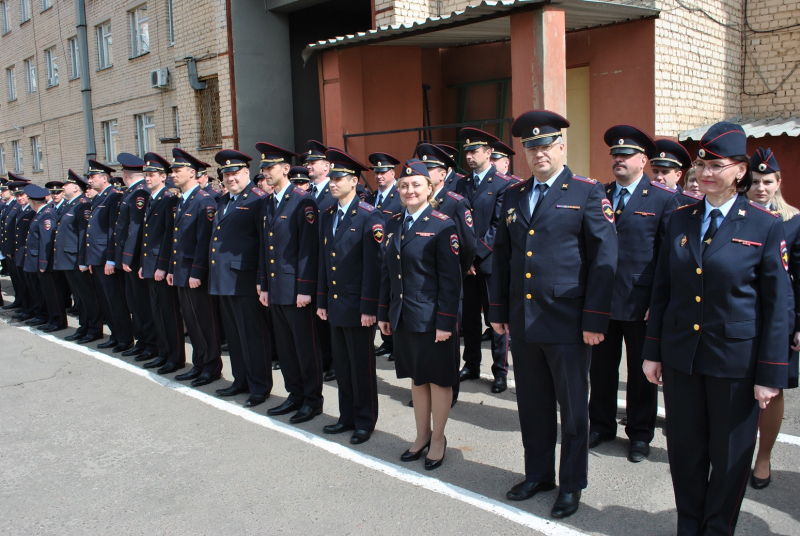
[(101, 254), (56, 189), (555, 255), (188, 270), (288, 266), (348, 288), (8, 240), (34, 311), (484, 190), (642, 209), (669, 163), (233, 277), (452, 178), (69, 251), (501, 158), (299, 177), (205, 184), (6, 201), (128, 238)]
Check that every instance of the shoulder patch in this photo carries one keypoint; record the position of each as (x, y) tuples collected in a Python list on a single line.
[(584, 179), (502, 176), (455, 196), (662, 187), (298, 191), (366, 206), (258, 191), (439, 215), (692, 195), (762, 209)]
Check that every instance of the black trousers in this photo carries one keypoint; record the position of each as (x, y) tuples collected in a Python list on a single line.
[(167, 321), (64, 287), (114, 306), (546, 375), (36, 300), (641, 395), (354, 361), (298, 350), (248, 341), (53, 298), (200, 313), (711, 424), (137, 294), (22, 293), (325, 350), (476, 301), (13, 273), (90, 318)]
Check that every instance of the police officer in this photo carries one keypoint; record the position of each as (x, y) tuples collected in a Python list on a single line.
[(69, 251), (298, 175), (34, 311), (452, 178), (128, 236), (348, 286), (188, 270), (101, 254), (288, 265), (205, 184), (717, 333), (6, 200), (8, 241), (56, 189), (233, 277), (485, 192), (501, 158), (642, 211), (555, 255), (158, 222), (670, 161)]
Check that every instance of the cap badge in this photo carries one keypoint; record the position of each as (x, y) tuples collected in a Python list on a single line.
[(425, 157), (408, 171), (701, 153), (467, 140), (380, 164), (227, 162), (263, 156), (148, 163), (762, 166), (536, 131), (663, 155), (621, 141)]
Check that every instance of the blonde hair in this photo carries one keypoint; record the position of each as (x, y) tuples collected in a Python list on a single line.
[(431, 198), (780, 205)]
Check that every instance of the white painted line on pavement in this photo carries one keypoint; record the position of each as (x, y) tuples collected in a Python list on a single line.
[(545, 526)]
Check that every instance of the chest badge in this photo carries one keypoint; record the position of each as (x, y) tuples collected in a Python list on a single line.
[(683, 241)]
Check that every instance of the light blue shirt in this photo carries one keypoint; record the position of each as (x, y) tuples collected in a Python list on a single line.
[(344, 212), (414, 216), (187, 194), (279, 195), (549, 182), (631, 188), (321, 186), (707, 218), (478, 177)]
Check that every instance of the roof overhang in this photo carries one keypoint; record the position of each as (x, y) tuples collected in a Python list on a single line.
[(772, 126), (487, 21)]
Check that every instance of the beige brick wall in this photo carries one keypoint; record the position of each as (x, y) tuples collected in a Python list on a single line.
[(119, 92)]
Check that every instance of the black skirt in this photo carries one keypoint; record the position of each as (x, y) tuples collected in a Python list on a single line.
[(418, 356)]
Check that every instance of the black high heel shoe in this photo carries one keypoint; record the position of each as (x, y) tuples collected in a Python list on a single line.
[(761, 483), (409, 456), (430, 465)]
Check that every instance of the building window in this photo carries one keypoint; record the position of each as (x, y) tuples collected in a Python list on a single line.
[(111, 135), (146, 132), (11, 76), (210, 122), (25, 10), (52, 67), (47, 4), (15, 146), (140, 32), (74, 58), (6, 22), (2, 160), (36, 151), (104, 42), (177, 122), (30, 73), (170, 23)]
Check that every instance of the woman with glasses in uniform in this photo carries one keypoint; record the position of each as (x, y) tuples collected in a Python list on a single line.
[(717, 332)]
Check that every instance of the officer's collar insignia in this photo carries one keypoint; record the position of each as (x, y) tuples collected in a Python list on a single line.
[(644, 192), (286, 196), (425, 218), (707, 241), (564, 186), (245, 196), (742, 212), (695, 212), (354, 212)]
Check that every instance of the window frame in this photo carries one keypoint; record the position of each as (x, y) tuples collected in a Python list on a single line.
[(24, 11), (110, 139), (171, 22), (46, 4), (6, 14), (142, 132), (177, 118), (2, 159), (51, 66), (138, 45), (74, 58), (30, 75), (16, 147), (37, 154), (11, 78), (105, 46)]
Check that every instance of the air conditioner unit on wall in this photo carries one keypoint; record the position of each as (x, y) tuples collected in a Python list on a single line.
[(159, 78)]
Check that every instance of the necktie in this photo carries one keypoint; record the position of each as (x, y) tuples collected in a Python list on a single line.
[(621, 202), (314, 190), (476, 181), (379, 200), (712, 228), (339, 218), (542, 187), (230, 201), (407, 224)]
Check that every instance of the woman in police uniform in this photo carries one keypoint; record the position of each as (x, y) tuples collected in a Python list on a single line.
[(717, 333), (766, 190), (420, 289)]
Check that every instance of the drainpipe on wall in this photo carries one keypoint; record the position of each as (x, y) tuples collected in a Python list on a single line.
[(86, 86)]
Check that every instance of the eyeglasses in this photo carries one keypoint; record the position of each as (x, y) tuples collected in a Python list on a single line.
[(543, 148), (714, 169)]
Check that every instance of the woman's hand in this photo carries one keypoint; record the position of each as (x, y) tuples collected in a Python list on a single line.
[(652, 369), (765, 394), (385, 328), (442, 336)]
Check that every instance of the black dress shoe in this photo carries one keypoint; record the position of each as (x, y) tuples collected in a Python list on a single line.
[(500, 384), (487, 335), (566, 504), (33, 322), (89, 338), (382, 350), (193, 373), (276, 366), (224, 348), (206, 378), (121, 347), (255, 400), (21, 317), (389, 357), (337, 428), (360, 436), (305, 414), (596, 438), (75, 336), (761, 483), (169, 368), (110, 343), (525, 490), (467, 374), (144, 356), (133, 351), (409, 456), (287, 407), (50, 328), (230, 391), (10, 306), (73, 311), (156, 363), (430, 465), (638, 451), (329, 376)]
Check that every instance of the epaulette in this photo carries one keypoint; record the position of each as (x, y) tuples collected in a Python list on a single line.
[(517, 185), (516, 178), (167, 193), (396, 216), (366, 206), (692, 195), (439, 215), (685, 206), (203, 193), (584, 179), (455, 195), (297, 190), (502, 176), (661, 186), (762, 209), (460, 176), (258, 191)]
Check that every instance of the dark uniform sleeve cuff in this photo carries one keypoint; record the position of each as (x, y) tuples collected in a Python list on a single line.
[(651, 350), (772, 374), (595, 321)]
